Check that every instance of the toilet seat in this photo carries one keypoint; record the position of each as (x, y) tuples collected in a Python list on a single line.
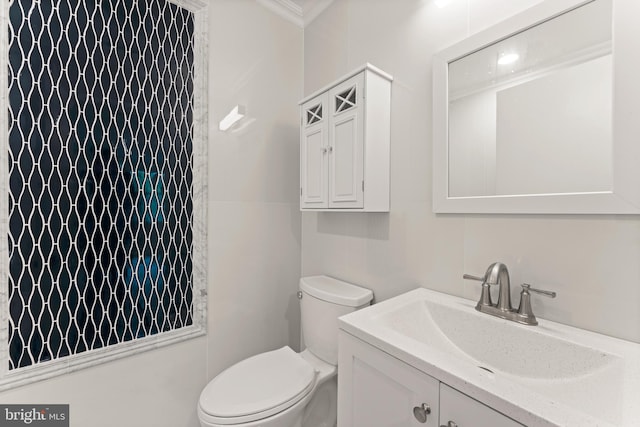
[(258, 387)]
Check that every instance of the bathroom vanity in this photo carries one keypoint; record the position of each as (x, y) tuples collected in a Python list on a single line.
[(428, 358), (381, 390)]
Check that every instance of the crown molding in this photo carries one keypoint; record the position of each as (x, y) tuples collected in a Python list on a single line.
[(293, 12), (286, 9)]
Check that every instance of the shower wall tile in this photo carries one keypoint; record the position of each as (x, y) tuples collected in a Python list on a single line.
[(100, 175), (4, 201)]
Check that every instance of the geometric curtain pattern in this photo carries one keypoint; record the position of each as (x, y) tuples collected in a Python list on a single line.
[(100, 174)]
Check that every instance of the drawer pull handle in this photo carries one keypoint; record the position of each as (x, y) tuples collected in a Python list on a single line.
[(421, 412)]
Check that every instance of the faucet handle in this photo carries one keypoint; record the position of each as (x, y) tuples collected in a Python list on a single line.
[(485, 296), (524, 310), (527, 287)]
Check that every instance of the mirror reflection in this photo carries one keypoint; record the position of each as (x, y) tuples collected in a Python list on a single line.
[(532, 114)]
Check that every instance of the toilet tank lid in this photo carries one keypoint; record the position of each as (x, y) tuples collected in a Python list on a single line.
[(335, 291)]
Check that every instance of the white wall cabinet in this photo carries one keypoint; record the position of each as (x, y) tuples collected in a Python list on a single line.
[(345, 144), (378, 390)]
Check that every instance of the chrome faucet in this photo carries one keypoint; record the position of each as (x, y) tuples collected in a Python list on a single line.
[(498, 274)]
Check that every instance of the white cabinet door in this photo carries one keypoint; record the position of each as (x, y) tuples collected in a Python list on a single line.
[(459, 410), (378, 390), (346, 144), (313, 153)]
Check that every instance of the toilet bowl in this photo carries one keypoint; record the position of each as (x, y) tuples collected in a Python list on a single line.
[(269, 390), (282, 388)]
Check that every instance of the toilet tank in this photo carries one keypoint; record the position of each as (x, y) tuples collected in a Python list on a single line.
[(324, 299)]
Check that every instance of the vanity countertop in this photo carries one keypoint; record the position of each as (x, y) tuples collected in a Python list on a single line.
[(545, 375)]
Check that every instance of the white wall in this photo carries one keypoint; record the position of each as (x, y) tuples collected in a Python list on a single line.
[(591, 261), (155, 388), (254, 237), (254, 217)]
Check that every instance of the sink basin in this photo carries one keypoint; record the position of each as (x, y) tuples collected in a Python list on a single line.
[(546, 375), (495, 344)]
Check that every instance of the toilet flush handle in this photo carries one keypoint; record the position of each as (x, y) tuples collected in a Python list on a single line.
[(299, 294)]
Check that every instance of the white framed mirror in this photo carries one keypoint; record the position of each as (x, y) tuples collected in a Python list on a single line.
[(541, 113)]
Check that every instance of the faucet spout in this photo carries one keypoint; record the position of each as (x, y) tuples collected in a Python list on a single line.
[(498, 274)]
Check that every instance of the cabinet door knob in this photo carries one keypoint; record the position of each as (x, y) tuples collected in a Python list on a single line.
[(450, 424), (421, 412)]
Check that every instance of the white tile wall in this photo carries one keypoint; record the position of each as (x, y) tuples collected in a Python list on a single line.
[(485, 13), (591, 261), (254, 271), (156, 388), (254, 218)]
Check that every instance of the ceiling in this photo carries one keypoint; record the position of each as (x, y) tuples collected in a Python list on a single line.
[(300, 12)]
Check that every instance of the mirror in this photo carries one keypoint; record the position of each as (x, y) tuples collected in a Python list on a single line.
[(524, 116), (531, 114)]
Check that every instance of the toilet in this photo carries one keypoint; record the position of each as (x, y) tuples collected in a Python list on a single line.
[(282, 388)]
